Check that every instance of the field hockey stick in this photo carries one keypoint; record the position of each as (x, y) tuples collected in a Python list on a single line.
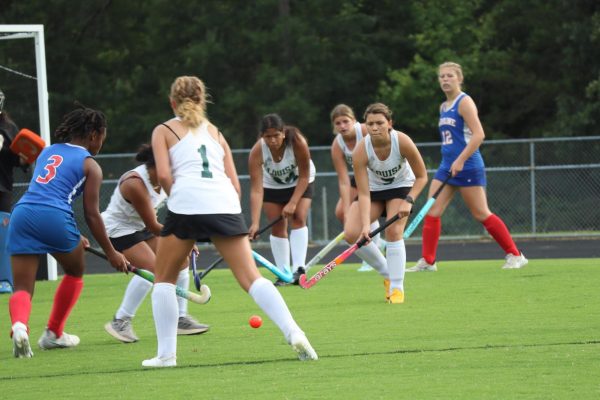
[(324, 251), (307, 284), (419, 217), (202, 298), (198, 278), (285, 276)]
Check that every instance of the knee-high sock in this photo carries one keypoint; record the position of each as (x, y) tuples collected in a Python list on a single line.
[(164, 309), (432, 229), (183, 281), (19, 306), (396, 260), (496, 227), (372, 256), (298, 245), (66, 296), (135, 294), (376, 238), (280, 247), (270, 301)]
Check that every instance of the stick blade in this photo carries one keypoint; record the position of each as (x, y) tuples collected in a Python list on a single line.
[(302, 281)]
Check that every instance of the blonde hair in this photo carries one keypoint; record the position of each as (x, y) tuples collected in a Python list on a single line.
[(189, 95), (378, 108), (341, 110), (456, 67)]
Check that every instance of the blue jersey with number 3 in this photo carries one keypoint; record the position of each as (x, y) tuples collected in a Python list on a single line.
[(58, 177), (455, 135)]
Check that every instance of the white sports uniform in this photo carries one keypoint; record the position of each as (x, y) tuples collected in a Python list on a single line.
[(283, 174), (391, 173), (200, 183), (347, 152), (120, 217)]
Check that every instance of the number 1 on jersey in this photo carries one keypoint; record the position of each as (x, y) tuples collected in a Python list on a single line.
[(205, 166)]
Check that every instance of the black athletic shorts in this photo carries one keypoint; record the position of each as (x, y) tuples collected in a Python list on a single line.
[(283, 196), (122, 243), (201, 227), (389, 194)]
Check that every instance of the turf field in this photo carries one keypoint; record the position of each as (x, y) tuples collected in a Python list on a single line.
[(469, 331)]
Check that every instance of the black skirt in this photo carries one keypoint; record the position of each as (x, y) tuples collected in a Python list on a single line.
[(201, 227)]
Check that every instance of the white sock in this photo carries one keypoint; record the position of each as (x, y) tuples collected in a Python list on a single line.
[(183, 281), (376, 238), (270, 301), (299, 246), (164, 309), (135, 294), (396, 260), (280, 247), (372, 256)]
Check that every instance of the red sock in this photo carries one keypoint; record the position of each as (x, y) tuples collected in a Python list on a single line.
[(432, 229), (19, 306), (65, 298), (495, 226)]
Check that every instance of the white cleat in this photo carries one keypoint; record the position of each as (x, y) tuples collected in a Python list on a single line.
[(515, 262), (365, 267), (49, 341), (158, 362), (302, 347), (422, 266), (21, 347)]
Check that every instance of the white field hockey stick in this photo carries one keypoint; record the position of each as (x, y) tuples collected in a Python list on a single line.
[(324, 251), (201, 298)]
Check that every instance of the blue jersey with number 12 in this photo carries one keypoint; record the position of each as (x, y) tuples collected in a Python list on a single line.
[(455, 135), (58, 177)]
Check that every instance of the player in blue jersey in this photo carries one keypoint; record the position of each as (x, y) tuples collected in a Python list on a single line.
[(43, 222), (462, 135)]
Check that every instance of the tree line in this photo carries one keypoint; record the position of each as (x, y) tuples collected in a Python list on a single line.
[(532, 67)]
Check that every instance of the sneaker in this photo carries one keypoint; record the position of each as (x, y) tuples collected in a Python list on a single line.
[(5, 287), (21, 347), (281, 282), (422, 266), (189, 326), (397, 297), (121, 329), (301, 346), (386, 285), (515, 262), (49, 341), (365, 267), (157, 362), (297, 273)]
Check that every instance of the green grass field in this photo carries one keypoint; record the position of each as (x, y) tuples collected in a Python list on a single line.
[(469, 331)]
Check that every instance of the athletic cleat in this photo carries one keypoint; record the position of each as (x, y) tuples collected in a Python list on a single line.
[(49, 341), (121, 329), (365, 267), (515, 262), (297, 273), (21, 347), (301, 346), (397, 297), (386, 285), (157, 362), (189, 326), (422, 266)]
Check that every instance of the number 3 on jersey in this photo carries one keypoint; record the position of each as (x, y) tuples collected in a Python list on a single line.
[(206, 173), (51, 166), (446, 137)]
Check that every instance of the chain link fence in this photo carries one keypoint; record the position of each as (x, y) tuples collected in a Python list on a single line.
[(540, 187)]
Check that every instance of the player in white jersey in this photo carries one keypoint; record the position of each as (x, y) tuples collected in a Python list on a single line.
[(133, 228), (348, 132), (195, 167), (281, 177), (390, 174)]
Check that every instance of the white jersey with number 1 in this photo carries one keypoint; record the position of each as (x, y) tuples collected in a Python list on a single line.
[(200, 184)]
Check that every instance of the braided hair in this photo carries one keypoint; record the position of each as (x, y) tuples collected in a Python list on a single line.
[(146, 155), (80, 123)]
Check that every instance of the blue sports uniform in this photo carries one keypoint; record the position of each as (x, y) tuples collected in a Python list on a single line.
[(43, 220), (455, 135)]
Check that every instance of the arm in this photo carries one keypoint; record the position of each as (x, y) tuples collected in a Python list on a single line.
[(409, 150), (339, 163), (91, 194), (359, 161), (468, 111), (136, 193), (255, 162), (230, 170), (302, 155), (160, 148)]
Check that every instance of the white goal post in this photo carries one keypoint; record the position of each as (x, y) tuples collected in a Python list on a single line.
[(36, 32)]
